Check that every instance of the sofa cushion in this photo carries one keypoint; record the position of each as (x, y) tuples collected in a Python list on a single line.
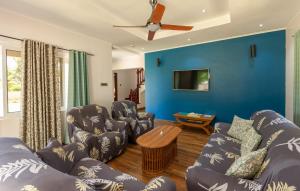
[(60, 157), (219, 153), (247, 166), (250, 142), (239, 127)]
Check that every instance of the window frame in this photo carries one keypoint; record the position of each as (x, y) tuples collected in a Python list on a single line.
[(6, 47), (9, 45), (6, 82)]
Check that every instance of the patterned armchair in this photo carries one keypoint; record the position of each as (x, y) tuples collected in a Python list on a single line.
[(91, 125), (140, 123)]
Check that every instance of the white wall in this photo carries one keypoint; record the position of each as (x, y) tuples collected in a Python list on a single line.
[(292, 28), (100, 65), (126, 81), (128, 62)]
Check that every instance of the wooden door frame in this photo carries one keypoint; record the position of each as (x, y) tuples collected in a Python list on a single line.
[(115, 86)]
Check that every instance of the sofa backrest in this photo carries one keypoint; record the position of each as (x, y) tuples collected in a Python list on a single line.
[(20, 169), (124, 108), (282, 164), (90, 118)]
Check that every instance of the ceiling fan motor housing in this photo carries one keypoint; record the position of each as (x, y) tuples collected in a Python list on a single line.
[(153, 27)]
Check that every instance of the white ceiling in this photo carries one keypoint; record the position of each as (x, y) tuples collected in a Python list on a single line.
[(222, 19)]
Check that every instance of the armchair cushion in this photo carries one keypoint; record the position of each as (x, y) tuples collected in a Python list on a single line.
[(61, 157), (108, 145)]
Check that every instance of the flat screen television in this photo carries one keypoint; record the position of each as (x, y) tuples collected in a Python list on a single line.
[(197, 80)]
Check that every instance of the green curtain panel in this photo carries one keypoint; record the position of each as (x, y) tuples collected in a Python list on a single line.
[(78, 93), (297, 80)]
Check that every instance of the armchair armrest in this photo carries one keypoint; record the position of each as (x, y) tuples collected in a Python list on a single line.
[(114, 125), (145, 116), (118, 126), (222, 128), (84, 137), (160, 184), (203, 179)]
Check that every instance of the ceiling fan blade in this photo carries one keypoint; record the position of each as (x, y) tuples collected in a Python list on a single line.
[(151, 35), (158, 13), (176, 27), (138, 26)]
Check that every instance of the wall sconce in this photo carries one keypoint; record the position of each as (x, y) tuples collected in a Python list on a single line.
[(158, 62), (252, 50)]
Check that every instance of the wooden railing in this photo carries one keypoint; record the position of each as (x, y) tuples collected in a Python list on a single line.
[(134, 94), (140, 77)]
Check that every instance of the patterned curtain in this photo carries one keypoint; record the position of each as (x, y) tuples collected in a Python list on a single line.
[(297, 80), (41, 94)]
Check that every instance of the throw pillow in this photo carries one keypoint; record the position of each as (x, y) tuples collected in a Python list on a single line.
[(247, 166), (62, 158), (239, 127), (250, 142)]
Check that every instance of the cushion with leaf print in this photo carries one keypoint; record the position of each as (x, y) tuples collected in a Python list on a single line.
[(103, 184), (239, 127), (248, 165), (250, 141), (60, 157)]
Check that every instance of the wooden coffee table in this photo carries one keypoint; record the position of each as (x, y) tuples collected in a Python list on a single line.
[(202, 122), (159, 147)]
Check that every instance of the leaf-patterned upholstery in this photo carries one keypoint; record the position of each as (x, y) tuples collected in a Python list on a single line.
[(140, 123), (22, 170), (281, 167), (90, 168), (219, 153), (91, 125)]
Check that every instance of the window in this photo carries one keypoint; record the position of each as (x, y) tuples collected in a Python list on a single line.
[(1, 85), (10, 80), (13, 80), (63, 77)]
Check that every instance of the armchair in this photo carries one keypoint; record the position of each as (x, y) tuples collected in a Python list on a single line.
[(91, 125), (140, 123)]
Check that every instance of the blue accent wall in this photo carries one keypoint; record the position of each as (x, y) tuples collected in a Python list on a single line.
[(238, 84)]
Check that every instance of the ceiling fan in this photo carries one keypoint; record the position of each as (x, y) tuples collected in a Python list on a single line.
[(154, 22)]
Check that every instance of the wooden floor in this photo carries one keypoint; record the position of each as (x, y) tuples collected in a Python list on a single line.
[(190, 143)]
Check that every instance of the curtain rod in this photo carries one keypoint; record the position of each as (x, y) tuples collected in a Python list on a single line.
[(14, 38)]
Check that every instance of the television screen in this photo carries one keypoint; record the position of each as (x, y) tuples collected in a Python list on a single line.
[(191, 80)]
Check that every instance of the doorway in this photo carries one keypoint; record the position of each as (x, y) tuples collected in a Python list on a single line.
[(115, 86)]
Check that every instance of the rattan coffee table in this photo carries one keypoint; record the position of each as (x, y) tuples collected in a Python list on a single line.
[(159, 147)]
